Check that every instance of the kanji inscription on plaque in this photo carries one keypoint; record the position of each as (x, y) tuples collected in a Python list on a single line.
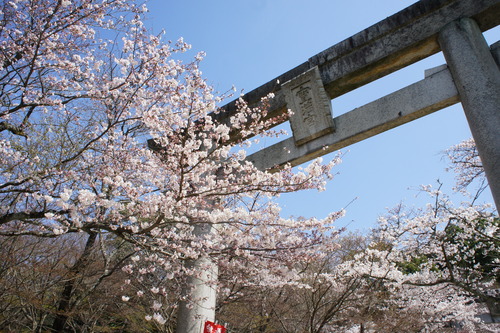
[(311, 107)]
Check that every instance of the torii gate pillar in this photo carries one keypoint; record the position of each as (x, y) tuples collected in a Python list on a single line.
[(477, 79), (200, 290)]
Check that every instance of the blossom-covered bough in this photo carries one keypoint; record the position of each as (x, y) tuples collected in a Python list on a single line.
[(442, 260), (83, 86), (467, 165)]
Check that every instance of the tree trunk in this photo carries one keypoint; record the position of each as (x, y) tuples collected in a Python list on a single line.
[(69, 286)]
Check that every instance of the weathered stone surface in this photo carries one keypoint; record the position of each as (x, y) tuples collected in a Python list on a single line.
[(435, 92), (395, 42), (434, 70), (495, 52), (201, 289), (477, 78), (417, 100), (311, 107)]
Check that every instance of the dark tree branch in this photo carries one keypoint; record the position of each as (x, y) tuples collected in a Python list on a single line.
[(17, 130)]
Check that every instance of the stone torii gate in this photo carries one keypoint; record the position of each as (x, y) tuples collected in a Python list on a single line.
[(471, 76)]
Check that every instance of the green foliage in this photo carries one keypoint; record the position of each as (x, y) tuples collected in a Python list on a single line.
[(479, 251), (413, 265)]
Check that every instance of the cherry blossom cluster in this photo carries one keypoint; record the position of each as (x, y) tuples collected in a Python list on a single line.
[(441, 260), (466, 164), (104, 130)]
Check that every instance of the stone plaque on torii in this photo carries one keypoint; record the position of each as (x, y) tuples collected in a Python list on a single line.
[(311, 107), (472, 77)]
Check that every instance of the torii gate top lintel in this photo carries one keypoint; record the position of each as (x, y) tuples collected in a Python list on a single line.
[(387, 46), (391, 44), (419, 31)]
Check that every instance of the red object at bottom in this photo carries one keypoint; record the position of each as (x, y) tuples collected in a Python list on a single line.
[(213, 328)]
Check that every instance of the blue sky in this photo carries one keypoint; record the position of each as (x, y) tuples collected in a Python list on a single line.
[(249, 43)]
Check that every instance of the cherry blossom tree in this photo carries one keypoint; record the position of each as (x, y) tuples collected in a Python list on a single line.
[(432, 269), (358, 287), (84, 86), (467, 166), (324, 299), (448, 246), (442, 253)]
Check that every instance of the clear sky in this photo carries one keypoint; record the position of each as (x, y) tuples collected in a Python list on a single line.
[(249, 43)]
